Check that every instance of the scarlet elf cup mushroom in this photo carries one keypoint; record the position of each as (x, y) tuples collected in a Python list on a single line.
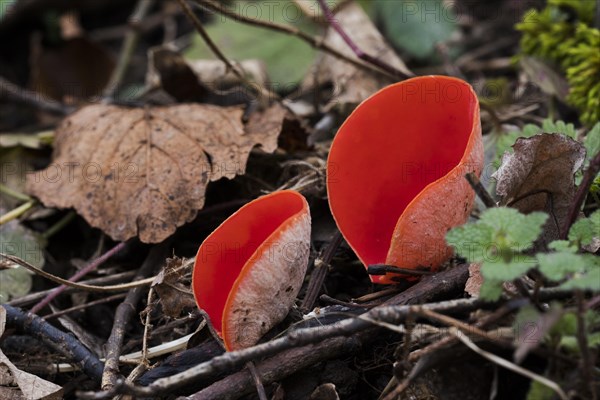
[(248, 271), (395, 171)]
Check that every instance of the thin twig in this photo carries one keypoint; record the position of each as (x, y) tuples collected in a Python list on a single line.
[(90, 288), (263, 92), (296, 338), (382, 269), (125, 311), (356, 50), (507, 364), (319, 273), (260, 389), (142, 364), (84, 306), (32, 297), (293, 31), (78, 275), (33, 99), (129, 44), (481, 191), (588, 179)]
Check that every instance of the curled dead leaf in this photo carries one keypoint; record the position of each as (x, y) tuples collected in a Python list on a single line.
[(351, 84), (539, 176), (201, 80), (174, 296), (143, 172)]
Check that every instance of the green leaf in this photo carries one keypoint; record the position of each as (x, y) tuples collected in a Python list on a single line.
[(21, 242), (503, 271), (589, 280), (592, 141), (288, 58), (594, 339), (537, 391), (491, 290), (470, 240), (508, 139), (584, 230), (567, 325), (416, 26), (513, 229), (560, 127), (557, 266), (562, 246)]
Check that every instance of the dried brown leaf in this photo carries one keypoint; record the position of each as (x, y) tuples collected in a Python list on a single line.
[(143, 172), (201, 80), (351, 84), (539, 176), (473, 285), (174, 296)]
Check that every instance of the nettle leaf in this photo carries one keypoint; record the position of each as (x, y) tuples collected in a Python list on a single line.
[(557, 266), (590, 280), (497, 240), (562, 246), (584, 230), (507, 140), (471, 240), (506, 271), (513, 229), (566, 331), (561, 127), (592, 141), (491, 290)]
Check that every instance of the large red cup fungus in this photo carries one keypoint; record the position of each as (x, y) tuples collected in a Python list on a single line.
[(249, 270), (396, 171)]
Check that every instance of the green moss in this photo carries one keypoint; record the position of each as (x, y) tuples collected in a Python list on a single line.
[(573, 45)]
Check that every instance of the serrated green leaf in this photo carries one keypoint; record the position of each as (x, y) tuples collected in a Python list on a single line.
[(557, 266), (561, 127), (584, 230), (592, 141), (503, 271), (563, 246), (470, 240), (508, 139), (491, 290), (513, 229), (590, 280)]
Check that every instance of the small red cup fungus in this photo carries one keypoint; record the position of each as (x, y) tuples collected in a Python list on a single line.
[(249, 270), (395, 172)]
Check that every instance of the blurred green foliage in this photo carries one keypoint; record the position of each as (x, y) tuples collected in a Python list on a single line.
[(416, 26), (562, 33)]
